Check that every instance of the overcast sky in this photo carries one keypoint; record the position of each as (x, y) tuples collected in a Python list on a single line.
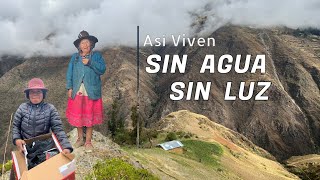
[(49, 27)]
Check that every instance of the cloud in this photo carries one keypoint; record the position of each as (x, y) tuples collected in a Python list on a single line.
[(49, 27), (262, 13)]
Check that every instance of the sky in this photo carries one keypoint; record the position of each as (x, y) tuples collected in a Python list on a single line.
[(49, 27)]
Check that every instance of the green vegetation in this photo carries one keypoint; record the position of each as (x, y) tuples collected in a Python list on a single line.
[(178, 135), (171, 136), (124, 136), (7, 166), (117, 169), (306, 31), (182, 134), (119, 133), (115, 124), (204, 152)]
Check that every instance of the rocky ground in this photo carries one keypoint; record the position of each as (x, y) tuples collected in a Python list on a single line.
[(104, 148)]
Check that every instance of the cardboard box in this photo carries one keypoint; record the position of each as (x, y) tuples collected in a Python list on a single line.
[(61, 166)]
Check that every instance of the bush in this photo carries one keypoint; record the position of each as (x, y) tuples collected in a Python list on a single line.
[(182, 134), (187, 135), (123, 137), (152, 133), (118, 169), (171, 136)]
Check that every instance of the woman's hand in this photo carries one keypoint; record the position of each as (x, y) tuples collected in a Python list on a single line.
[(20, 143), (66, 151), (85, 61), (70, 93)]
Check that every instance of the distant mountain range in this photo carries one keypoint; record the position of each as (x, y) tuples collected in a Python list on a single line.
[(287, 124)]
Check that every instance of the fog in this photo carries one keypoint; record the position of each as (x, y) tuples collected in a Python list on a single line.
[(49, 27)]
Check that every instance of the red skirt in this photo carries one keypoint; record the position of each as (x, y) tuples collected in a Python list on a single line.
[(82, 111)]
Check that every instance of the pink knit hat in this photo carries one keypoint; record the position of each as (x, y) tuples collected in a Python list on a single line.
[(36, 83)]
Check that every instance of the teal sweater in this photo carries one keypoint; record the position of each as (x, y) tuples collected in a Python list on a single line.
[(88, 74)]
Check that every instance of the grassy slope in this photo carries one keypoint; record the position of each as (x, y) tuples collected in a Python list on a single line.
[(236, 159)]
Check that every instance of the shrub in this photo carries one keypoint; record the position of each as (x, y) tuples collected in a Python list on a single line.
[(171, 136), (187, 135), (182, 134), (123, 137), (118, 169)]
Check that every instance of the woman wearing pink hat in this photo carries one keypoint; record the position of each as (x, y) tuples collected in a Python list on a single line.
[(84, 107), (36, 117)]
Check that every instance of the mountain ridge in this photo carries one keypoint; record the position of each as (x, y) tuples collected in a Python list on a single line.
[(285, 125)]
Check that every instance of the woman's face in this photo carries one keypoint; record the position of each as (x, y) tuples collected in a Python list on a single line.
[(36, 96), (85, 46)]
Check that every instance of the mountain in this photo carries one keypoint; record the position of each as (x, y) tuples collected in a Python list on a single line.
[(285, 125), (7, 62)]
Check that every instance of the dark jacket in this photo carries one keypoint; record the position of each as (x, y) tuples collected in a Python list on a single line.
[(88, 74), (33, 120)]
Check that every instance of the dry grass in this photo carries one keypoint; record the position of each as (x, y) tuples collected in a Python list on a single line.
[(240, 159)]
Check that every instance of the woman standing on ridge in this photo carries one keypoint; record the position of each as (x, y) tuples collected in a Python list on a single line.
[(85, 107)]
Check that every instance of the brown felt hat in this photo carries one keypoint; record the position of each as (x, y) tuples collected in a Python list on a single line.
[(85, 35)]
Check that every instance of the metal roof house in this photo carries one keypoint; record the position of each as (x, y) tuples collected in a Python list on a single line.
[(171, 145)]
